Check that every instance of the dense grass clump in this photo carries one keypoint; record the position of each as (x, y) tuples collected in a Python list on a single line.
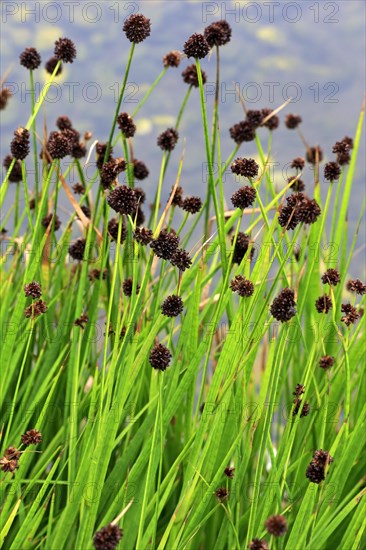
[(185, 375)]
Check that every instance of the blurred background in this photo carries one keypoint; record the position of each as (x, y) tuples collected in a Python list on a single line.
[(310, 51)]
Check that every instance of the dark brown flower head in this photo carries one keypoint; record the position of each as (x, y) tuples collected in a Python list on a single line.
[(168, 139), (332, 171), (59, 145), (123, 200), (258, 544), (343, 146), (308, 211), (218, 33), (19, 146), (50, 66), (298, 163), (101, 150), (305, 409), (95, 274), (190, 76), (108, 537), (297, 186), (77, 249), (343, 158), (181, 259), (273, 122), (322, 457), (33, 289), (47, 220), (78, 150), (323, 304), (242, 131), (9, 462), (81, 321), (165, 244), (245, 167), (172, 59), (288, 217), (36, 309), (222, 494), (331, 277), (196, 46), (65, 50), (31, 437), (283, 307), (140, 170), (315, 471), (351, 314), (126, 125), (244, 197), (127, 287), (241, 247), (5, 94), (172, 306), (357, 286), (110, 171), (229, 472), (313, 153), (160, 357), (30, 59), (299, 390), (7, 465), (12, 453), (143, 235), (254, 117), (326, 362), (72, 135), (192, 205), (178, 196), (64, 123), (113, 230), (292, 121), (78, 188), (15, 175), (276, 525), (242, 286), (137, 28)]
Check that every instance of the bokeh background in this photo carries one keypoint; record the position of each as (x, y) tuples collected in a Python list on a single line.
[(310, 51)]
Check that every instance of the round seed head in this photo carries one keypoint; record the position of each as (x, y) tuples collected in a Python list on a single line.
[(65, 50), (244, 197), (172, 59), (50, 66), (218, 33), (137, 28), (276, 525), (196, 46), (292, 121), (123, 200), (283, 307), (168, 139), (172, 306), (160, 357), (190, 76), (30, 59), (107, 538)]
